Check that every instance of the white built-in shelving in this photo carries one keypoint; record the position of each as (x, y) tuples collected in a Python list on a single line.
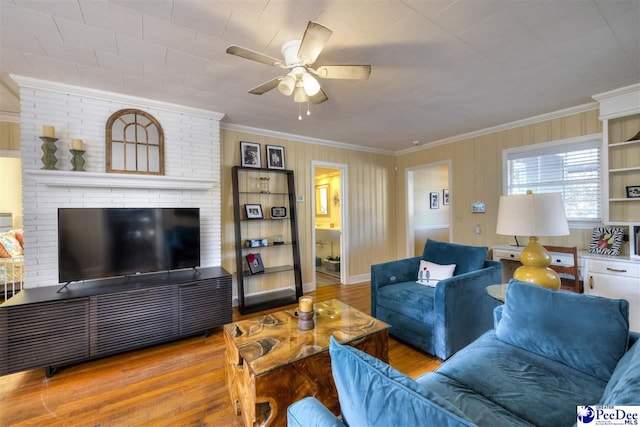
[(620, 115)]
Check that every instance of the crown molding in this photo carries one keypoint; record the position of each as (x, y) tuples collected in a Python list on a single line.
[(634, 88), (499, 128), (30, 82), (8, 116), (621, 102), (301, 138)]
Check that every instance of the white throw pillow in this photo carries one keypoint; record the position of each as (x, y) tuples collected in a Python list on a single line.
[(430, 273)]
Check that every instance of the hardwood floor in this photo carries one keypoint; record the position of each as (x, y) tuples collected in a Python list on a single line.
[(178, 384)]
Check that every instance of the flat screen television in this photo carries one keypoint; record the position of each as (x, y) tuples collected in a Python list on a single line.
[(98, 243)]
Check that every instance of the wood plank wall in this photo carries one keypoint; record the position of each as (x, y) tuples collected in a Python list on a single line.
[(369, 206), (9, 136), (476, 165)]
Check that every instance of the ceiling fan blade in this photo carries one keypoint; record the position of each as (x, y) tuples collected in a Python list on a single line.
[(318, 98), (313, 41), (265, 87), (253, 55), (351, 72)]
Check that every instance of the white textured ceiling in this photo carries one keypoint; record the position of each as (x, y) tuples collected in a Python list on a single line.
[(440, 68)]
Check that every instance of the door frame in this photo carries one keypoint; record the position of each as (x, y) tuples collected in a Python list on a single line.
[(409, 232), (344, 223)]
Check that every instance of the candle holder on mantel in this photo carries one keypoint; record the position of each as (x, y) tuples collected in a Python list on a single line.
[(77, 161), (49, 148), (305, 320)]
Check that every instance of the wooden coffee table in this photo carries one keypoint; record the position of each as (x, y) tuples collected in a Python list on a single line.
[(270, 363)]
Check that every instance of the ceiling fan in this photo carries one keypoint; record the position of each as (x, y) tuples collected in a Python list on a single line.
[(299, 55)]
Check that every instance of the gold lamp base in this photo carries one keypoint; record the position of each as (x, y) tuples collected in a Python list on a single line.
[(535, 261)]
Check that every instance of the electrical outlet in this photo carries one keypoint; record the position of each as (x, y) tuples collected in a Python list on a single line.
[(299, 198)]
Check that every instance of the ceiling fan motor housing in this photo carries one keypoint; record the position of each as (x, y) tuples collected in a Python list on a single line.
[(290, 52)]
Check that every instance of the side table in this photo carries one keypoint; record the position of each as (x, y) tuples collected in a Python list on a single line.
[(497, 291)]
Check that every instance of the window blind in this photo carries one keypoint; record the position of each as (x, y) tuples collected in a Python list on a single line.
[(571, 169)]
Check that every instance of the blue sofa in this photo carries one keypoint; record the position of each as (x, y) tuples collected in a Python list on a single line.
[(442, 319), (549, 353)]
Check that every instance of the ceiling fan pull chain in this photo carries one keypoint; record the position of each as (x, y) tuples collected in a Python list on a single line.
[(299, 111), (308, 110)]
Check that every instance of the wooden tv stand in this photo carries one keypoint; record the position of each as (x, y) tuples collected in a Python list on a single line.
[(40, 327)]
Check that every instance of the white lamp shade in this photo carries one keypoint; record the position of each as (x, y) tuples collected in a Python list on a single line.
[(532, 215), (287, 84), (311, 85)]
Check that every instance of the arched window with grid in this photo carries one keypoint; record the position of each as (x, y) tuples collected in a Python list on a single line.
[(135, 143)]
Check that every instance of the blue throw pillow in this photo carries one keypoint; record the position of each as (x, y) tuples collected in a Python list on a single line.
[(372, 394), (466, 258), (585, 332)]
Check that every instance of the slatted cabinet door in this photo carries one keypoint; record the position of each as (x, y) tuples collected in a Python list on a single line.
[(36, 331), (133, 319), (204, 305)]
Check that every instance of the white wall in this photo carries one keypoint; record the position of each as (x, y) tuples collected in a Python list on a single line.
[(425, 181), (192, 150)]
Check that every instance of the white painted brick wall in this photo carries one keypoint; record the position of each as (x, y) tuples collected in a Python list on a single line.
[(192, 150)]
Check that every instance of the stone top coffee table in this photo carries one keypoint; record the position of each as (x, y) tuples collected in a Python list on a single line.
[(270, 363)]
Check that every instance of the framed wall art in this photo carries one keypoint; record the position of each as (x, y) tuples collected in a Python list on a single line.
[(434, 200), (477, 207), (275, 157), (445, 196), (250, 154)]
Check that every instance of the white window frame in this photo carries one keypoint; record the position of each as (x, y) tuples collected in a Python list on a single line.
[(593, 140)]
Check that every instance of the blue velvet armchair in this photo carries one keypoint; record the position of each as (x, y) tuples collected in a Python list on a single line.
[(442, 319)]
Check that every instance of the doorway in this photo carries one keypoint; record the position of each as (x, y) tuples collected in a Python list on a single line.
[(329, 224), (12, 268), (429, 201)]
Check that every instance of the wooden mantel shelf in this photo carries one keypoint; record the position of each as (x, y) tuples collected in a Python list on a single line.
[(55, 178)]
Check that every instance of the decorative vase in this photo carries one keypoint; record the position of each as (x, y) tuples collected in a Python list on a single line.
[(49, 148)]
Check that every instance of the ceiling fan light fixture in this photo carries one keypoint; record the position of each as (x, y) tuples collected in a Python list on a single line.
[(311, 85), (287, 84), (302, 80), (299, 94)]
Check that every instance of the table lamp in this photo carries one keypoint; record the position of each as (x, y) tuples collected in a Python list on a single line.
[(533, 215)]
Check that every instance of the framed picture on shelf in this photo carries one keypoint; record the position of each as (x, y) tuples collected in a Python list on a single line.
[(434, 200), (250, 154), (606, 240), (633, 191), (445, 196), (253, 211), (255, 263), (275, 157), (278, 212)]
